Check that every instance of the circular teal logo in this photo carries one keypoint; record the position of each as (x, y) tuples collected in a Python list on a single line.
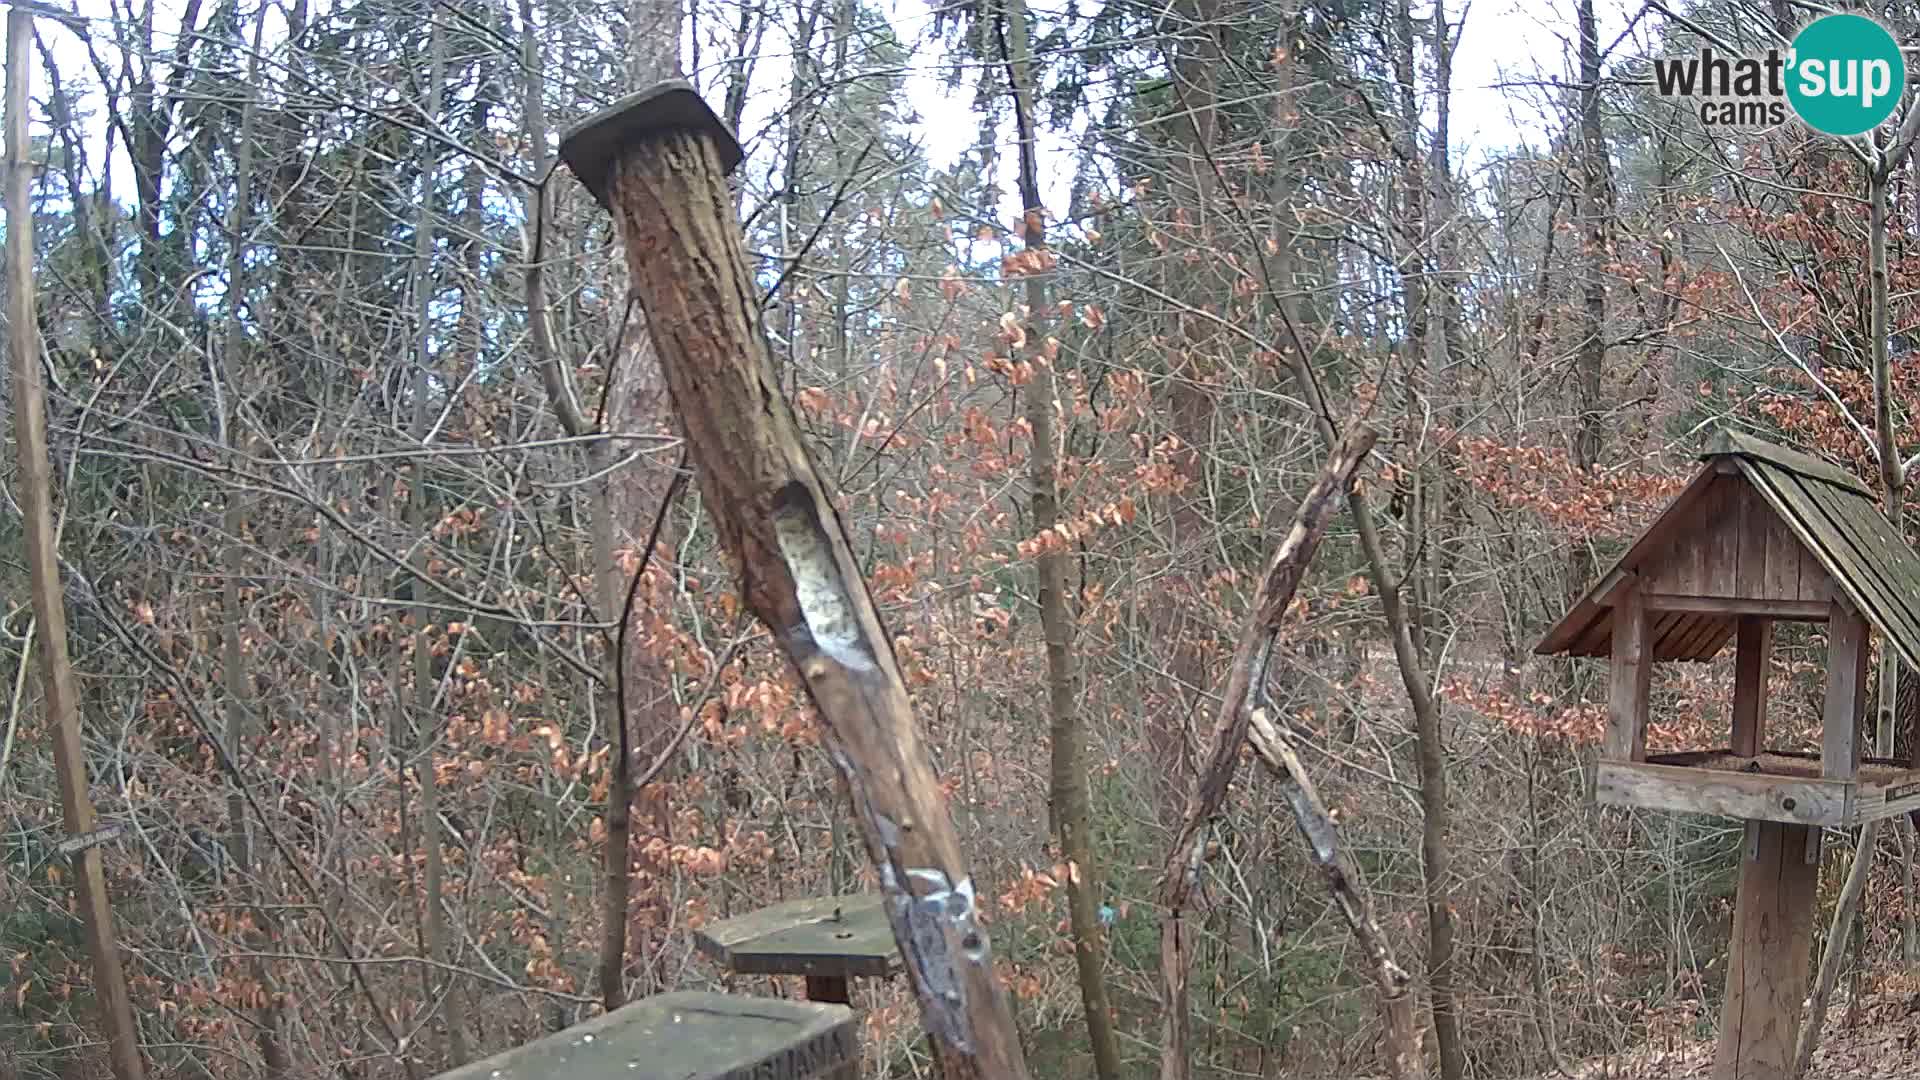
[(1846, 74)]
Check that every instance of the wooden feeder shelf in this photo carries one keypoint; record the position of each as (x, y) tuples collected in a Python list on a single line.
[(1773, 786), (828, 939)]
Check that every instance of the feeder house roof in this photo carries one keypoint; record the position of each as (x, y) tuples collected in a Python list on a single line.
[(1761, 530)]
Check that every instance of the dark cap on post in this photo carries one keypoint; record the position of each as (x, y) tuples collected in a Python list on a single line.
[(590, 147)]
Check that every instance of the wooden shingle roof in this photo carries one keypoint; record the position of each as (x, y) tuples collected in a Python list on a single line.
[(1745, 491)]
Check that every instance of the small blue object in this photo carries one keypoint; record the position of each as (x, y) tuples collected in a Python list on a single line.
[(1107, 914)]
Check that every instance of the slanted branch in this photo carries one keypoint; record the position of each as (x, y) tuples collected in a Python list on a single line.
[(659, 161), (1238, 714)]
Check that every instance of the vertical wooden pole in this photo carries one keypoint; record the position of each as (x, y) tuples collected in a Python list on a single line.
[(829, 988), (1753, 645), (1846, 693), (836, 990), (1632, 675), (1767, 959), (659, 161), (43, 562)]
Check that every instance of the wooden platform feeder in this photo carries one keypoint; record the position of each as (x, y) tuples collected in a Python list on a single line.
[(688, 1036), (1762, 534), (829, 940)]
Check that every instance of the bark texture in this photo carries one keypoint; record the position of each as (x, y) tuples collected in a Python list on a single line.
[(775, 517), (43, 563), (1071, 814)]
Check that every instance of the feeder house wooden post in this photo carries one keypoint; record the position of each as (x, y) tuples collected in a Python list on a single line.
[(1761, 534)]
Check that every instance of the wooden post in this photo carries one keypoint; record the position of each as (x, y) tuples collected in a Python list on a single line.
[(835, 990), (659, 161), (1632, 675), (1846, 693), (43, 563), (1753, 645), (1767, 959), (830, 988)]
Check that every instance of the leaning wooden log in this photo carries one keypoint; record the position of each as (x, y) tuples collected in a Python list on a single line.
[(1181, 874), (1405, 1060), (659, 161)]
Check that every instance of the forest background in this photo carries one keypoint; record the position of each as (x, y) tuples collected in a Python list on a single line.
[(359, 444)]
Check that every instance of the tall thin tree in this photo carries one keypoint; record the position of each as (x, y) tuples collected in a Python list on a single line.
[(43, 562)]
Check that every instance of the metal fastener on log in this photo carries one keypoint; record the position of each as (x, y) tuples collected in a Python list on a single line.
[(658, 161)]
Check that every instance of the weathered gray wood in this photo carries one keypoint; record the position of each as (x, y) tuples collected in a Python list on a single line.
[(1783, 555), (1723, 543), (844, 936), (591, 146), (1644, 552), (1754, 645), (1692, 789), (688, 1035), (1795, 610), (1816, 584), (1844, 535), (1846, 693), (1767, 959), (1793, 498), (1733, 442), (1889, 593), (1702, 638), (1887, 795), (1632, 671), (1679, 563), (1751, 521)]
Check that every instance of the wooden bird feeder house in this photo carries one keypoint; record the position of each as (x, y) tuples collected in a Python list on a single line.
[(688, 1035), (1762, 534)]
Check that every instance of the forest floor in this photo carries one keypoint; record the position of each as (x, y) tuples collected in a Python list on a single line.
[(1881, 1043)]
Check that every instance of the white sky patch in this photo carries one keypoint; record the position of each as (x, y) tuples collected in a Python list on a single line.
[(1514, 62)]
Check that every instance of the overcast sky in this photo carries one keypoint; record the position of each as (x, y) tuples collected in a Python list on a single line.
[(1507, 49)]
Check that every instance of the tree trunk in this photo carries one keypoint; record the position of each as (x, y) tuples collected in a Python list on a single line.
[(1071, 815), (1435, 861), (43, 563), (639, 699), (424, 733), (233, 662), (1893, 480), (1590, 354)]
